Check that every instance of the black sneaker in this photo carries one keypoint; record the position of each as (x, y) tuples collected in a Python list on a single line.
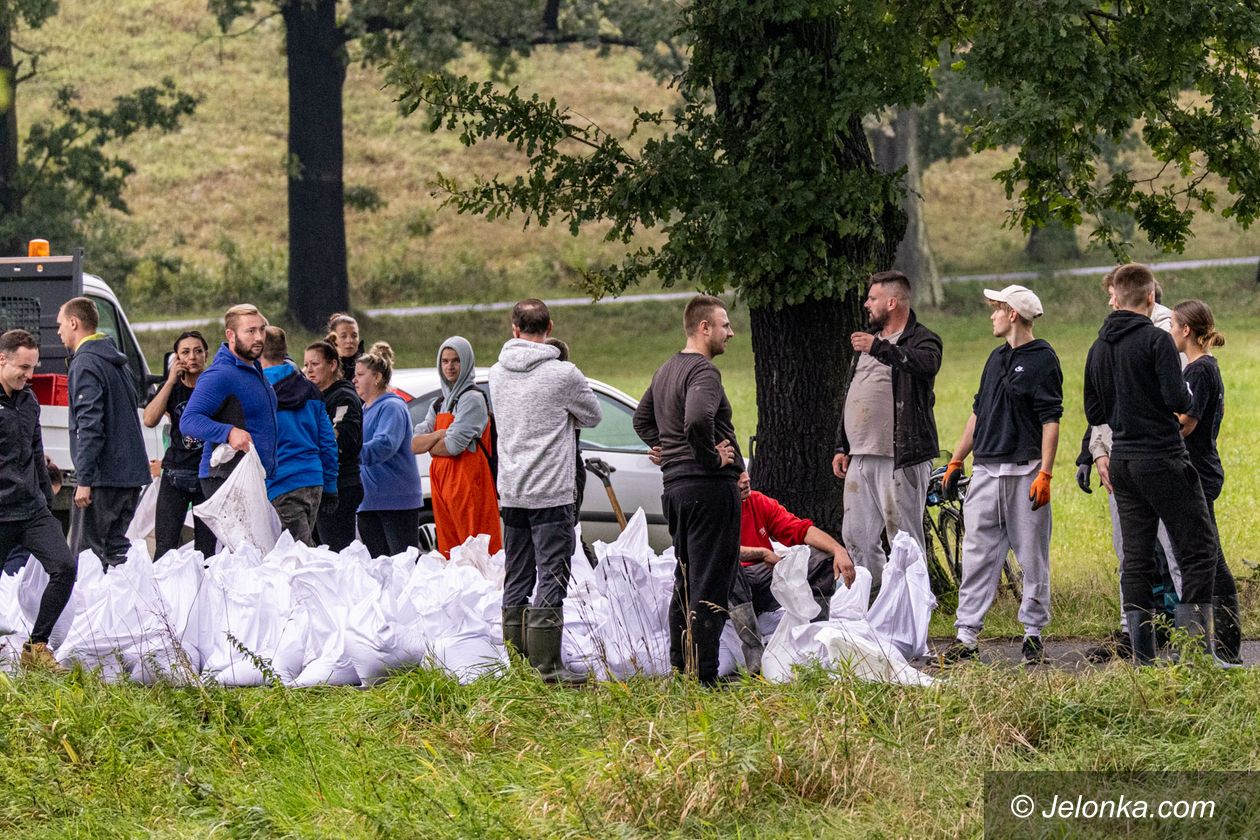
[(1034, 650), (1117, 646), (959, 651)]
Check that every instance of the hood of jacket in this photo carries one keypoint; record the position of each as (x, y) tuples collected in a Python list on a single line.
[(102, 347), (293, 390), (521, 356), (1120, 324), (451, 392)]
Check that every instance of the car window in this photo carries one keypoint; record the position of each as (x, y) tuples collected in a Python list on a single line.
[(615, 430)]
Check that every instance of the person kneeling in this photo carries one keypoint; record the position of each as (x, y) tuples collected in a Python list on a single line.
[(762, 519)]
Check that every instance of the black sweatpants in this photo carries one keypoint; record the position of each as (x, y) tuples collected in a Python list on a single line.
[(1224, 584), (389, 532), (177, 492), (703, 518), (336, 530), (538, 544), (105, 523), (752, 583), (41, 535), (1148, 491)]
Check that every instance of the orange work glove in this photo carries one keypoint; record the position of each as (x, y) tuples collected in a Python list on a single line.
[(949, 482), (1039, 493)]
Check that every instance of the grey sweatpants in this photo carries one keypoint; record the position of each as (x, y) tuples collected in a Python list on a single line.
[(998, 518), (297, 510), (878, 498), (1165, 542)]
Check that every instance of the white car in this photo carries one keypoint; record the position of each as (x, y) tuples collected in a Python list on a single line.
[(635, 480)]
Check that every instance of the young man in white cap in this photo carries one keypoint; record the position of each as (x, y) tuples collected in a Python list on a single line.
[(1014, 433)]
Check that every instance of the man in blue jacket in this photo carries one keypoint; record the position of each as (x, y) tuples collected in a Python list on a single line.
[(106, 444), (233, 403), (306, 447)]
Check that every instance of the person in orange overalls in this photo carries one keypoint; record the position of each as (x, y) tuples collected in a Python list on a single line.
[(456, 434)]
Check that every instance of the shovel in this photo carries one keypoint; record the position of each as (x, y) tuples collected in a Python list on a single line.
[(603, 471)]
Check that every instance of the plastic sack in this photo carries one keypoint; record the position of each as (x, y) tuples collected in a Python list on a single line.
[(903, 608), (144, 522), (239, 513)]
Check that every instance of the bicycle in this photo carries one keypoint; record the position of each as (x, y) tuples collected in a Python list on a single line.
[(943, 539)]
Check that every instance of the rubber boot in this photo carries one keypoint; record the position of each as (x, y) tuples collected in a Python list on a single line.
[(744, 619), (1141, 636), (1228, 629), (1195, 620), (514, 631), (544, 627)]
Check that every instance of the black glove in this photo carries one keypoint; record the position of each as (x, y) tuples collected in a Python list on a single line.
[(1082, 477), (328, 504)]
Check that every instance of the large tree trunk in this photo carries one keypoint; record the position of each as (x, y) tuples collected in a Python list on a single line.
[(315, 46), (894, 149), (10, 193)]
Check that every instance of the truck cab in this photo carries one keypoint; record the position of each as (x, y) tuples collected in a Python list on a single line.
[(32, 290)]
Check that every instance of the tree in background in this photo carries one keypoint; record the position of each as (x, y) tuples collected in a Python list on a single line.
[(425, 33), (61, 172), (763, 182)]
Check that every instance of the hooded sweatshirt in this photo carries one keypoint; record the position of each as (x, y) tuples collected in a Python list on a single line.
[(1133, 383), (106, 444), (461, 398), (345, 411), (1021, 390), (538, 403), (306, 448), (25, 488), (386, 465), (232, 393)]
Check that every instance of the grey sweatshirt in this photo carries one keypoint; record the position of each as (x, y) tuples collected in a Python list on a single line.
[(538, 402)]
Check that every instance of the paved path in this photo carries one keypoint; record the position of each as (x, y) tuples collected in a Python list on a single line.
[(503, 306), (1065, 654)]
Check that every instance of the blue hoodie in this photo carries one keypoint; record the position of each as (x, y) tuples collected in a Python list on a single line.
[(232, 394), (306, 449), (106, 444), (390, 478)]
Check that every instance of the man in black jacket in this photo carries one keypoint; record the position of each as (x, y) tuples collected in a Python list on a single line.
[(26, 492), (111, 465), (1014, 432), (887, 435), (1133, 383)]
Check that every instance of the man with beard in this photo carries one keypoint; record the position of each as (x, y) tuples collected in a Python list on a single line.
[(686, 414), (233, 403), (887, 435)]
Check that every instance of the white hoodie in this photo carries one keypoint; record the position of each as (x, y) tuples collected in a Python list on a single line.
[(538, 402)]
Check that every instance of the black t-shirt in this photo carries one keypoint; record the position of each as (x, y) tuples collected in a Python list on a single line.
[(184, 453), (1203, 375)]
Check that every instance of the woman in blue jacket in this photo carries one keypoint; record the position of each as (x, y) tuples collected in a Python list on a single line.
[(389, 517)]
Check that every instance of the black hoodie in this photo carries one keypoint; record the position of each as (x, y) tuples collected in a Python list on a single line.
[(106, 444), (345, 410), (25, 489), (1021, 390), (1133, 383)]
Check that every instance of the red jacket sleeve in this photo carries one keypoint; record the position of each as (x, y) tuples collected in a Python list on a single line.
[(776, 521)]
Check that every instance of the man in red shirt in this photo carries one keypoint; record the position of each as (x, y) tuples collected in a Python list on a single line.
[(762, 519)]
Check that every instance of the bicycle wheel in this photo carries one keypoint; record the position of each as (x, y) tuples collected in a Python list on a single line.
[(1013, 577), (936, 553), (951, 530)]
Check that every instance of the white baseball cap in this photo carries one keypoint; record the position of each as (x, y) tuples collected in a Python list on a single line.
[(1019, 298)]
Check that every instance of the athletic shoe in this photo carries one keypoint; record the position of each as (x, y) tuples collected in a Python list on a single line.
[(37, 657), (1034, 650), (959, 651), (1117, 646)]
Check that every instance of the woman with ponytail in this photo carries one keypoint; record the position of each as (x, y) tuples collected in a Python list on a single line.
[(389, 516), (343, 333), (1194, 333)]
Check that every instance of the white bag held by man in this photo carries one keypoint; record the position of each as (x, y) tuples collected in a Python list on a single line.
[(144, 522), (903, 608), (239, 512)]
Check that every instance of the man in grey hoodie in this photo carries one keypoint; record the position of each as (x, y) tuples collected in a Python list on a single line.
[(111, 464), (539, 401)]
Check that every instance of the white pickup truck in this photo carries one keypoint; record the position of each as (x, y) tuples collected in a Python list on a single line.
[(32, 290)]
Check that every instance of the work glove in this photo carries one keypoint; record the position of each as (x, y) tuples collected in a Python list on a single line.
[(949, 482), (328, 504), (1039, 493), (1082, 477)]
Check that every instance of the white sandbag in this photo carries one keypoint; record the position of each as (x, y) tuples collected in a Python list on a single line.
[(239, 512), (467, 655), (903, 609), (144, 521), (790, 587)]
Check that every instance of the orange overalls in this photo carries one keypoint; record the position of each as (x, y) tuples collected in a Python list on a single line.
[(464, 500)]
